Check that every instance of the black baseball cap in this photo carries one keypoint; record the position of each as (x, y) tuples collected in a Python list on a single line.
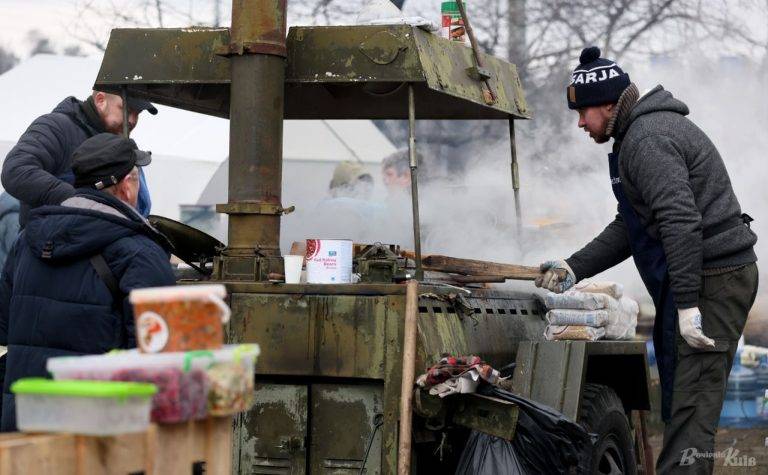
[(105, 159), (139, 105)]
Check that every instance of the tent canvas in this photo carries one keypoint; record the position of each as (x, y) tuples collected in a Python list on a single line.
[(187, 147)]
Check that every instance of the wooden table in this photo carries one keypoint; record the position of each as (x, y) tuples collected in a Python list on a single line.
[(167, 449)]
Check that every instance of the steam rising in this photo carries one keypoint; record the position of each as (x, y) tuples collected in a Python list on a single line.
[(566, 196)]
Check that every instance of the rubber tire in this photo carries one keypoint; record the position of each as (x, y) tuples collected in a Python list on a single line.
[(602, 413)]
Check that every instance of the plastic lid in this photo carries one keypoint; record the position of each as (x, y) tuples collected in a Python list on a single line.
[(177, 292), (82, 388)]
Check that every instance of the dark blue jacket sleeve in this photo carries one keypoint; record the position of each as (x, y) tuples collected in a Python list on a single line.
[(30, 167), (149, 268), (6, 289)]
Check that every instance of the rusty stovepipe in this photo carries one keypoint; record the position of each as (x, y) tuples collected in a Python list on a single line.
[(257, 52)]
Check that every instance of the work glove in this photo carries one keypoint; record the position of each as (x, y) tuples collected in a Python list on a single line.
[(689, 320), (556, 276)]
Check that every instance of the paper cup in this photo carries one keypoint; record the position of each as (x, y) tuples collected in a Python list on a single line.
[(293, 266)]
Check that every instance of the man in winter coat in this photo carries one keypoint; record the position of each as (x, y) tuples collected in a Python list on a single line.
[(9, 224), (38, 170), (65, 285), (681, 222)]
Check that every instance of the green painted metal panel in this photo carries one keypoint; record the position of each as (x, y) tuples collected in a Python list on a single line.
[(270, 439), (356, 72), (554, 372), (342, 427), (337, 336)]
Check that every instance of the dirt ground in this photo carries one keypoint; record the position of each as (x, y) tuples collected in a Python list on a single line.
[(749, 443)]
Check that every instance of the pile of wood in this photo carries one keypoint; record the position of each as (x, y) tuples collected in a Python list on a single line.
[(469, 271)]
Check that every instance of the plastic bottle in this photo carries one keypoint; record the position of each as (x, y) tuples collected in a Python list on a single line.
[(761, 386), (739, 409)]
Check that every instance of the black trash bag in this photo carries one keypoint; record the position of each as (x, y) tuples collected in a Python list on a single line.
[(485, 454), (545, 442)]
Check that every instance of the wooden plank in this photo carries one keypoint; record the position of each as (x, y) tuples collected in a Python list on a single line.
[(481, 268), (218, 445), (175, 452), (115, 455), (39, 455), (166, 449)]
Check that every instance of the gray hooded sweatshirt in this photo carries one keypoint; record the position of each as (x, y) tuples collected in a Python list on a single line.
[(678, 185)]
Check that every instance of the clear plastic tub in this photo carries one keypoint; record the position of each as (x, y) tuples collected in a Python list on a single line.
[(190, 385), (82, 407), (182, 385), (231, 378)]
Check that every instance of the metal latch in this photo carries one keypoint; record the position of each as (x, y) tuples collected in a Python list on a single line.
[(290, 444)]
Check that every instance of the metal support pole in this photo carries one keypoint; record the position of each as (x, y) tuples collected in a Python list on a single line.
[(124, 95), (414, 164), (515, 177), (410, 332), (257, 53)]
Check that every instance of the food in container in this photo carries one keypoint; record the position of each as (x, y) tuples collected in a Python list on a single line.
[(180, 318), (190, 385), (231, 380), (182, 384), (82, 407), (180, 396)]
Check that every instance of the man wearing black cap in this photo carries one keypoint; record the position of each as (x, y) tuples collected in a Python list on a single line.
[(38, 170), (681, 222), (64, 286)]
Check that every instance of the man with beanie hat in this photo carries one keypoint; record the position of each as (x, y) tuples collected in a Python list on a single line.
[(681, 222), (38, 170), (65, 284)]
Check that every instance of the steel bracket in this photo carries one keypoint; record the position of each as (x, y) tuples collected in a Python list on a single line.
[(254, 208), (241, 49), (478, 74)]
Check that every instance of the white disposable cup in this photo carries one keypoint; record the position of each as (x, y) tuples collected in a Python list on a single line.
[(293, 269)]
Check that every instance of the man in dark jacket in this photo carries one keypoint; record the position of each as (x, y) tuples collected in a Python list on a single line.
[(681, 222), (9, 224), (65, 285), (38, 170)]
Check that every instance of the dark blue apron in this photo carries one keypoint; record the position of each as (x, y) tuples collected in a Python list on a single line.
[(651, 262)]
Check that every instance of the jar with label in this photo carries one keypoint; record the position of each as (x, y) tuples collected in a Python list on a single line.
[(452, 23)]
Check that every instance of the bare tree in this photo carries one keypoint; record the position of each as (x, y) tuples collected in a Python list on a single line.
[(96, 18)]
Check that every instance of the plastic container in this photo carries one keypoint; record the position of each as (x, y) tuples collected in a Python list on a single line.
[(231, 378), (82, 407), (190, 385), (329, 261), (181, 380), (739, 409), (180, 318)]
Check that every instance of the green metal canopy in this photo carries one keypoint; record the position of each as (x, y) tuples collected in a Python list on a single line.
[(340, 72)]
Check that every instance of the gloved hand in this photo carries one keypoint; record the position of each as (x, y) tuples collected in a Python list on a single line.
[(557, 276), (689, 320)]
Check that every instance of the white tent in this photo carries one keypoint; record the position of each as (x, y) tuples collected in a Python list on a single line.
[(187, 148)]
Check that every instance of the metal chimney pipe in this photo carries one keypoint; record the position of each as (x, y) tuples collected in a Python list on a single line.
[(257, 53)]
